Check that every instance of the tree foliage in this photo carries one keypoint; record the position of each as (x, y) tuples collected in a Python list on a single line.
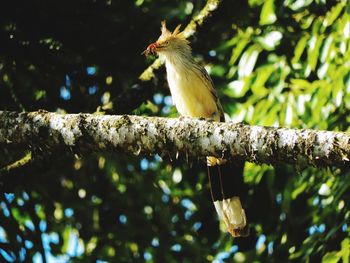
[(275, 63)]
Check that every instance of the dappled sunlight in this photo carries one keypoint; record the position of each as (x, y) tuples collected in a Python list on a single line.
[(273, 63)]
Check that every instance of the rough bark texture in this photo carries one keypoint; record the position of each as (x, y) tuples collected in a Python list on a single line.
[(193, 138)]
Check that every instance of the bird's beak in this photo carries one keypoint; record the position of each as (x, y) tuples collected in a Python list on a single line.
[(151, 49)]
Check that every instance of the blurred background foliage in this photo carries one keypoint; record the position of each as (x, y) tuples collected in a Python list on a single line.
[(277, 63)]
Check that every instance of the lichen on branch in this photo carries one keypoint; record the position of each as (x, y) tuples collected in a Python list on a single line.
[(193, 138)]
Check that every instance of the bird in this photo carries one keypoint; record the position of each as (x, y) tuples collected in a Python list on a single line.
[(194, 95)]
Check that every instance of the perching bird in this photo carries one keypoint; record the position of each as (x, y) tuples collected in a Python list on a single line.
[(194, 95)]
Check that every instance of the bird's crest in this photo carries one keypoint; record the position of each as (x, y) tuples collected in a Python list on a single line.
[(164, 38), (166, 34)]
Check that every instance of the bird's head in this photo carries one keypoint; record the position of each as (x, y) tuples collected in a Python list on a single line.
[(168, 42)]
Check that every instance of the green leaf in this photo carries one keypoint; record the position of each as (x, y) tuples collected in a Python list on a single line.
[(263, 74), (307, 21), (331, 257), (295, 5), (247, 61), (268, 15), (270, 118), (39, 94), (322, 71), (337, 92), (345, 250), (289, 113), (217, 70), (270, 40), (66, 236), (238, 88), (313, 51), (299, 49), (300, 84), (254, 3), (326, 49), (237, 51), (332, 15), (261, 108), (299, 190)]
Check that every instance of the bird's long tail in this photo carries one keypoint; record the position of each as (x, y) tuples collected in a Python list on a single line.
[(226, 184)]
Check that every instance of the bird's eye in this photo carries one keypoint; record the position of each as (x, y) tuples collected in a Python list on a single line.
[(166, 43)]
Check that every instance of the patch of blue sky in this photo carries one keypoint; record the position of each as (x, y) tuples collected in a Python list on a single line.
[(28, 244), (344, 227), (37, 258), (8, 256), (221, 256), (22, 254), (188, 214), (188, 204), (46, 241), (91, 70), (75, 247), (157, 158), (147, 256), (56, 259), (9, 197), (3, 237), (279, 198), (176, 248), (166, 110), (270, 248), (155, 242), (233, 249), (68, 212), (67, 80), (4, 209), (25, 195), (212, 53), (165, 198), (42, 225), (65, 93), (29, 224), (317, 229), (123, 219), (92, 89), (144, 164), (168, 101), (158, 98), (197, 226), (261, 240), (20, 202)]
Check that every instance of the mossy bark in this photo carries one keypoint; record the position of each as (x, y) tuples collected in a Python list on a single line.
[(193, 138)]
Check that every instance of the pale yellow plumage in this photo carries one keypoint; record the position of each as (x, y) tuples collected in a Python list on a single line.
[(190, 85), (194, 95)]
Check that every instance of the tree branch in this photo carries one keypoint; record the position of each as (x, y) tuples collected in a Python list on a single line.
[(193, 138)]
